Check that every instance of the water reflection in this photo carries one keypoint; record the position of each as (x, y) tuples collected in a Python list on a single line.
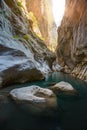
[(72, 110)]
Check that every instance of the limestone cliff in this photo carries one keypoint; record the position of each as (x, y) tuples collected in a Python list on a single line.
[(24, 57), (42, 10), (72, 39)]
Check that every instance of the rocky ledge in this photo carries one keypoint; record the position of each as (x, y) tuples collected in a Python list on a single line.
[(23, 55)]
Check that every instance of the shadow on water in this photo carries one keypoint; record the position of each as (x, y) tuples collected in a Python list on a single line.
[(72, 111)]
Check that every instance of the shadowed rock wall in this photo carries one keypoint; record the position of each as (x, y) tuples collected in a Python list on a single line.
[(72, 39)]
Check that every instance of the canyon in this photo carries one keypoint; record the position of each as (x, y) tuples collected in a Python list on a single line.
[(43, 86), (72, 39), (25, 57)]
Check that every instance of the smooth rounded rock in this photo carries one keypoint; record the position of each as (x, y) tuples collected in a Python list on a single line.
[(63, 87), (36, 99)]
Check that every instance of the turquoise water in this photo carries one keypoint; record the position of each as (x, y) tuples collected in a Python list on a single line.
[(71, 114)]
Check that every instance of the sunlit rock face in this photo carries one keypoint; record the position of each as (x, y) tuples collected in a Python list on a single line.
[(23, 56), (72, 38), (42, 10)]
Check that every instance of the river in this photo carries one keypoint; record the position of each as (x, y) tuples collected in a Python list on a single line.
[(72, 111)]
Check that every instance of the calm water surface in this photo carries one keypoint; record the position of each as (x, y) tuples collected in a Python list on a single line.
[(72, 111)]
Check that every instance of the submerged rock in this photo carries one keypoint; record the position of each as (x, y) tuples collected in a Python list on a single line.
[(63, 87), (36, 99), (3, 99)]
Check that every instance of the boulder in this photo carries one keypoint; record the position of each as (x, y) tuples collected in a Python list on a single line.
[(57, 67), (15, 67), (63, 87), (36, 99)]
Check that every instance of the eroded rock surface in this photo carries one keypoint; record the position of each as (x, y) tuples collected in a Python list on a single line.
[(72, 39), (41, 100), (23, 56)]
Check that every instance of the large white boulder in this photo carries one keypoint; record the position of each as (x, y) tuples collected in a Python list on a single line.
[(37, 99), (63, 87)]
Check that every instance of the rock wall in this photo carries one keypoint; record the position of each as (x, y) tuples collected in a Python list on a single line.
[(42, 9), (72, 39), (24, 57)]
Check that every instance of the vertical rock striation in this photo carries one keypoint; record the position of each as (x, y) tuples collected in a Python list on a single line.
[(72, 38), (24, 56), (42, 10)]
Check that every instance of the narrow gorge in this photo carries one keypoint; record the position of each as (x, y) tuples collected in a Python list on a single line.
[(43, 65), (19, 44)]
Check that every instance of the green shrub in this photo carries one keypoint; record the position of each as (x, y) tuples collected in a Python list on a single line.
[(5, 14), (19, 4), (16, 37), (26, 37)]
